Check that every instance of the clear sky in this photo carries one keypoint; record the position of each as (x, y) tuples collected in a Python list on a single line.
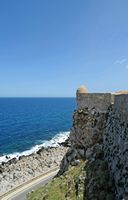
[(51, 47)]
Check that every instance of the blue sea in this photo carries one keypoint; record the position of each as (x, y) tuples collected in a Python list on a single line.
[(26, 124)]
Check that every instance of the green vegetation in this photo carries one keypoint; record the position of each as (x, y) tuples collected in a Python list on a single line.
[(68, 186), (89, 180)]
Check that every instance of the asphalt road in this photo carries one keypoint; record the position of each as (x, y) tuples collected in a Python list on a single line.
[(21, 192), (22, 196)]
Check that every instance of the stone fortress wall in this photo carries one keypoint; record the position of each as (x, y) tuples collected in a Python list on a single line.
[(115, 140), (114, 121), (101, 101)]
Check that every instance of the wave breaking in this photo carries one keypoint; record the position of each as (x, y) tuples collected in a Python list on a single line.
[(54, 142)]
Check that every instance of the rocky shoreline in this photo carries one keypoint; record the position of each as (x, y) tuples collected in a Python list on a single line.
[(16, 172)]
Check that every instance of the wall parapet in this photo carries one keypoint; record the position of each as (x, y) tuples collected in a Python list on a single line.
[(101, 101)]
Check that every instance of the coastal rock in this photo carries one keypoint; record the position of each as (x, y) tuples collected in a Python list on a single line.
[(16, 172), (66, 143)]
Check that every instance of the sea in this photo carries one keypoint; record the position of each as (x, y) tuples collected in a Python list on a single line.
[(27, 124)]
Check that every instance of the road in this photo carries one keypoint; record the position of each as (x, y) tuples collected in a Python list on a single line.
[(20, 192)]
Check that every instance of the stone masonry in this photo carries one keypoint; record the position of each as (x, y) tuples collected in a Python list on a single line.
[(115, 142)]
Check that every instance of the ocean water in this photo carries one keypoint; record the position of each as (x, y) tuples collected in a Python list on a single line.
[(26, 124)]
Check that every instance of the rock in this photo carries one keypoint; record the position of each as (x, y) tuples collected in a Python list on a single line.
[(66, 143), (12, 161), (40, 150), (89, 153), (81, 153), (1, 169), (75, 162), (16, 172)]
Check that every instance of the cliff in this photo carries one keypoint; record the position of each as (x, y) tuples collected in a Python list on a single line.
[(100, 126)]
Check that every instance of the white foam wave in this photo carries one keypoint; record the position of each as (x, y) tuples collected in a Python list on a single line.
[(54, 142)]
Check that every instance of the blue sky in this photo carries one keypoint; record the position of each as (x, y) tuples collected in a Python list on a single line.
[(50, 48)]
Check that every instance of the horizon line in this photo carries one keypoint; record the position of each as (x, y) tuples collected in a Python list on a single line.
[(35, 97)]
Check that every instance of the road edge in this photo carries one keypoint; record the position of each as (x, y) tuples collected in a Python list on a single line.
[(25, 186)]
